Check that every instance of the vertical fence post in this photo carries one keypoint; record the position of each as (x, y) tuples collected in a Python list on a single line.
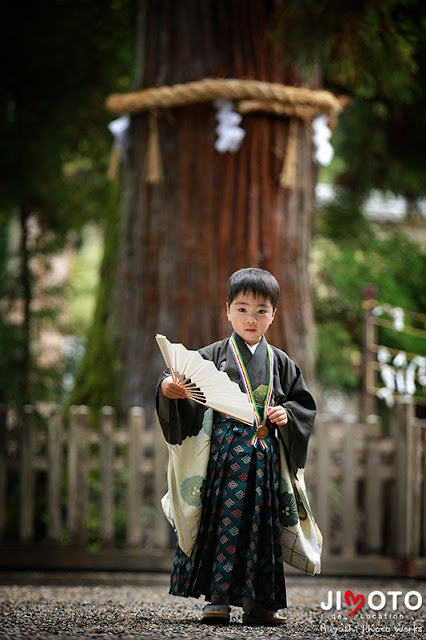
[(135, 488), (55, 469), (423, 485), (401, 427), (27, 483), (77, 476), (410, 492), (374, 485), (323, 470), (368, 406), (418, 453), (349, 488), (3, 477), (106, 452), (162, 527), (311, 472)]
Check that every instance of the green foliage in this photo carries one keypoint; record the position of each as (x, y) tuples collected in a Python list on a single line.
[(376, 53), (14, 344), (363, 48), (337, 356), (68, 55), (84, 280), (94, 383), (63, 59), (381, 146), (350, 253)]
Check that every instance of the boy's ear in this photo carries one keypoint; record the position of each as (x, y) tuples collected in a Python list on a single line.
[(227, 312)]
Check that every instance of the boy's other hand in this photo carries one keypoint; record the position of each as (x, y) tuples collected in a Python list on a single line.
[(278, 415), (172, 390)]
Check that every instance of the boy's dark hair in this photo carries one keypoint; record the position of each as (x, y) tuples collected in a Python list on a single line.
[(256, 281)]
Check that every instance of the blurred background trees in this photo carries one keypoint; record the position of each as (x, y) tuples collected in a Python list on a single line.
[(61, 58), (374, 52), (64, 58)]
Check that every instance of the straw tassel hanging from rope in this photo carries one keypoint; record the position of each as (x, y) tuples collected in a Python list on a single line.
[(289, 171), (119, 129), (154, 165), (114, 162)]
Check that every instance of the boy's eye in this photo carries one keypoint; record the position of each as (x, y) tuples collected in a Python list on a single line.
[(262, 311), (241, 310)]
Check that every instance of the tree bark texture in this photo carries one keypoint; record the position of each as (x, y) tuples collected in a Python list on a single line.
[(214, 213)]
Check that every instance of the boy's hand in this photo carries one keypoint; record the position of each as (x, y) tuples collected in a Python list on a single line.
[(278, 415), (172, 390)]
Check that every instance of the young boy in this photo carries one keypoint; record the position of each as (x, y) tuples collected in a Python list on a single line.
[(237, 558)]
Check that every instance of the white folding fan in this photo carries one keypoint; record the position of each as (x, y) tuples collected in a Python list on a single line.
[(203, 382)]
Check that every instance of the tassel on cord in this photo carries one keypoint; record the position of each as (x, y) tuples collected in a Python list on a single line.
[(288, 174), (119, 129), (114, 161), (154, 167)]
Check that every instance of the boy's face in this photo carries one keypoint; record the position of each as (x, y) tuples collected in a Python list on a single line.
[(250, 316)]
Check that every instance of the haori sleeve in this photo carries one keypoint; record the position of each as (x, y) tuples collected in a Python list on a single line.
[(301, 410), (179, 419)]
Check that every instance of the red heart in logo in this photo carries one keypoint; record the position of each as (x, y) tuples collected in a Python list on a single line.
[(349, 597)]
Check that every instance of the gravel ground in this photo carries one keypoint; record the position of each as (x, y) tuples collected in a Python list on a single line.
[(130, 606)]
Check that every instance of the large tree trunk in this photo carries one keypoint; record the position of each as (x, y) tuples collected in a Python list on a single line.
[(214, 213)]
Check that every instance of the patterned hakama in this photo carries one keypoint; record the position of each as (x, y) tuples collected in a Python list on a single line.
[(238, 551)]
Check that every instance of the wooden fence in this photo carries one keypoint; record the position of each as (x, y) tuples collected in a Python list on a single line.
[(78, 496), (368, 492), (79, 472)]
